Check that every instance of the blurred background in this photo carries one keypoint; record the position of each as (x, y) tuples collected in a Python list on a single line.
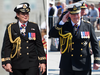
[(7, 15)]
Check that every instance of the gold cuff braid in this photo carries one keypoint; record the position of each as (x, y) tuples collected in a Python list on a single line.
[(3, 59), (42, 58), (8, 58), (97, 58)]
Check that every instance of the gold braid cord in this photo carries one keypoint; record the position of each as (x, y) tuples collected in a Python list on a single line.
[(65, 38), (16, 43)]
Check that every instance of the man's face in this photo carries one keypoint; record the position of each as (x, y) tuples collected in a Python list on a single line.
[(75, 17), (92, 7), (58, 4), (23, 17), (83, 12)]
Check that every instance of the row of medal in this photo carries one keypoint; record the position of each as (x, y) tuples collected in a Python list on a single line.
[(31, 36), (85, 34)]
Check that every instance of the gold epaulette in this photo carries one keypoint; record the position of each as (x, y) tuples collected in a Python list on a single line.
[(34, 22), (64, 13), (67, 20), (10, 24), (82, 18), (41, 58), (58, 28), (97, 58), (86, 21)]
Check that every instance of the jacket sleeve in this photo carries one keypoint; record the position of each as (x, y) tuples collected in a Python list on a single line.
[(6, 48), (95, 46), (63, 15), (54, 31), (41, 53), (2, 57)]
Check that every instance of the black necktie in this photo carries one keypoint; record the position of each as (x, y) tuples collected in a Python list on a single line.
[(76, 28)]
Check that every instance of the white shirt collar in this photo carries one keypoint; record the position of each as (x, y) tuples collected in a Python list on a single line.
[(22, 23), (74, 23)]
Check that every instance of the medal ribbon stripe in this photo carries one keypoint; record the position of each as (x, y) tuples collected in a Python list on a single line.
[(85, 34)]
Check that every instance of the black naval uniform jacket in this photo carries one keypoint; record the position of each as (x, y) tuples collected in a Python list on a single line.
[(79, 58), (30, 49)]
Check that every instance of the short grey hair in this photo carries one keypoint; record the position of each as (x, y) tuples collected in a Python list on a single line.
[(92, 4)]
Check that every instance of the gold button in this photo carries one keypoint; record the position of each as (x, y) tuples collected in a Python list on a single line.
[(82, 43), (81, 49), (27, 47), (72, 42), (26, 41), (20, 47), (72, 48), (72, 55), (20, 54), (81, 55), (27, 53)]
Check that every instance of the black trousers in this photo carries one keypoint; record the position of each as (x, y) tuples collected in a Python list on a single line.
[(30, 71), (50, 22), (65, 72)]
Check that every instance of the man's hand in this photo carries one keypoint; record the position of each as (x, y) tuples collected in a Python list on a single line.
[(4, 67), (9, 68), (42, 68), (96, 66), (65, 17)]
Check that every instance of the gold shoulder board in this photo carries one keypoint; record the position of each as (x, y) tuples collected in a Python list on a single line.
[(34, 22)]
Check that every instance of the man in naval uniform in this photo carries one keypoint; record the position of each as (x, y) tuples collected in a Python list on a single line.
[(75, 36), (83, 12), (84, 18), (22, 46)]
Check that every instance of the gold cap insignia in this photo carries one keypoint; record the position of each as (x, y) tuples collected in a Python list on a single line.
[(83, 4), (75, 8), (24, 6)]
